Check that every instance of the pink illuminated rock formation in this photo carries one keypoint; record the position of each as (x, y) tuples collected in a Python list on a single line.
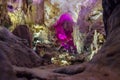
[(64, 29)]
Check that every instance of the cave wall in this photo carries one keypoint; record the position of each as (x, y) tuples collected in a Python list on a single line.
[(108, 7)]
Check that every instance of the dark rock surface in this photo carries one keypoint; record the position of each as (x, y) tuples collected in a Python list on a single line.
[(108, 7), (23, 32), (6, 70), (37, 73), (16, 52)]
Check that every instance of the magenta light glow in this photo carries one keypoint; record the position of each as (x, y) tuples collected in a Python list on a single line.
[(63, 29)]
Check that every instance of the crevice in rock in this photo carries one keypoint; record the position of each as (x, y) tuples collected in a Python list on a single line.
[(68, 71)]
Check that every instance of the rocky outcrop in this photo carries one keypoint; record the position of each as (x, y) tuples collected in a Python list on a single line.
[(6, 70), (16, 52)]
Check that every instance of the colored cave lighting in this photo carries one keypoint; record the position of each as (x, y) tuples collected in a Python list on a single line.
[(62, 36), (60, 27), (37, 1), (63, 29)]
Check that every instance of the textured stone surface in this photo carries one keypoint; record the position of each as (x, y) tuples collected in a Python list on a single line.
[(16, 52), (6, 70), (109, 6), (23, 32)]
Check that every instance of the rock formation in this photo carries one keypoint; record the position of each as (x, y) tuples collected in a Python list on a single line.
[(105, 64), (16, 52), (23, 32), (6, 70), (108, 7)]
